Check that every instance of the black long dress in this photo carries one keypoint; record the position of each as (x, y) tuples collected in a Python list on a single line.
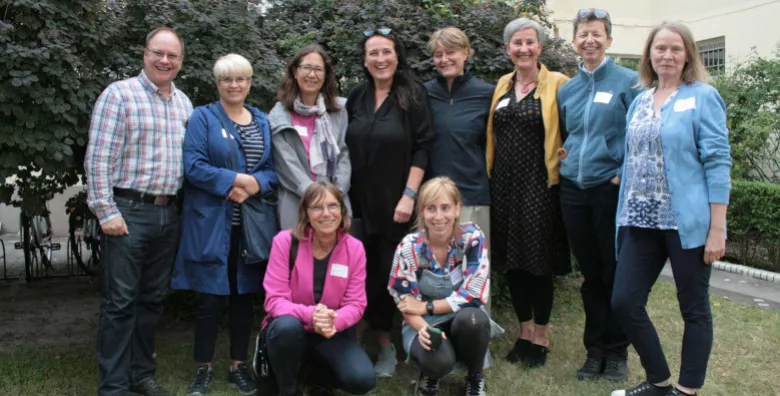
[(526, 221)]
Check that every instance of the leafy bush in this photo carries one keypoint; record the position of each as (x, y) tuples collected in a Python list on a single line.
[(754, 224)]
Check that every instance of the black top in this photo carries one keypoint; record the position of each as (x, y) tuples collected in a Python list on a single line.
[(320, 271), (383, 145), (460, 121)]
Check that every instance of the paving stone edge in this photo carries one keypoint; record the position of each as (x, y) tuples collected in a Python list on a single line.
[(760, 274)]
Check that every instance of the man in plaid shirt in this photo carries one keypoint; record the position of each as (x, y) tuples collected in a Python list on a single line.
[(134, 170)]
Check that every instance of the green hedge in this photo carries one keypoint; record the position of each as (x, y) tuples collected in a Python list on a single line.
[(754, 224)]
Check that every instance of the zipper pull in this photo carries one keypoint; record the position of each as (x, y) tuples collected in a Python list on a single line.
[(452, 101)]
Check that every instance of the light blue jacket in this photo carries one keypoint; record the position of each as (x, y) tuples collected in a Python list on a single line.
[(593, 107), (697, 157)]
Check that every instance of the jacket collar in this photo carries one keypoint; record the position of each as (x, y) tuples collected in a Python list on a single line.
[(457, 83), (340, 236), (601, 71)]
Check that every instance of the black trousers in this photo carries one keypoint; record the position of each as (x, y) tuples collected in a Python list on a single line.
[(532, 296), (589, 216), (209, 314), (468, 337), (381, 309), (643, 253)]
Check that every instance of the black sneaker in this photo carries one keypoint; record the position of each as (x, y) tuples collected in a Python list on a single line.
[(644, 389), (615, 370), (426, 386), (676, 392), (240, 379), (517, 353), (475, 385), (536, 356), (591, 369), (149, 387), (201, 382)]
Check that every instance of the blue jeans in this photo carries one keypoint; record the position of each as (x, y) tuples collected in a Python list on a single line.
[(347, 363), (642, 255), (135, 273)]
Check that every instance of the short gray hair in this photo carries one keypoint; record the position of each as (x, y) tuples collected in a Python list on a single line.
[(232, 64), (524, 23)]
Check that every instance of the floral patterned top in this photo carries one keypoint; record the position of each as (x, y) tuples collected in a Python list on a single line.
[(467, 260), (647, 202)]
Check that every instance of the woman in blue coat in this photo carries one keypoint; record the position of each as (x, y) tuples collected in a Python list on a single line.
[(208, 260)]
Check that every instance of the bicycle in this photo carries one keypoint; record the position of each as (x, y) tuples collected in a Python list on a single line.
[(37, 245), (84, 227)]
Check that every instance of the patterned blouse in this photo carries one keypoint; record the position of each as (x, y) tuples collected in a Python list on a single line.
[(647, 202), (467, 259), (254, 146)]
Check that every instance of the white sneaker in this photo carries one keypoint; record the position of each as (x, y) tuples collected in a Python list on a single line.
[(385, 362)]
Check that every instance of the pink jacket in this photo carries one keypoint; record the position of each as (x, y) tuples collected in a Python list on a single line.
[(345, 281)]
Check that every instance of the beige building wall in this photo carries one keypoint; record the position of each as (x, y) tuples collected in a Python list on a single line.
[(743, 23)]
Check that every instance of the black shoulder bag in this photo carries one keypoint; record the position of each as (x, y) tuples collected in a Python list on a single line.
[(266, 381), (259, 223)]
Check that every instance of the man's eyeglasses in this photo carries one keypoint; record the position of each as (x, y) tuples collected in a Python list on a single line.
[(382, 31), (231, 80), (160, 55), (318, 209), (601, 14), (306, 69)]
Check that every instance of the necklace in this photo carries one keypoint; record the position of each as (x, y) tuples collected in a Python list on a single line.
[(525, 87)]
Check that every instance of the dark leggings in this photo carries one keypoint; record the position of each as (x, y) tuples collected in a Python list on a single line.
[(379, 261), (532, 296), (209, 314), (467, 341)]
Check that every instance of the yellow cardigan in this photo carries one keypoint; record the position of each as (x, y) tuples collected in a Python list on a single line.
[(547, 84)]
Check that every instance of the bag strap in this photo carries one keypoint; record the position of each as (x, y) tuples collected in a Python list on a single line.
[(293, 255)]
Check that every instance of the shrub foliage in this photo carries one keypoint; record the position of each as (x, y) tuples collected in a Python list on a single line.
[(754, 224)]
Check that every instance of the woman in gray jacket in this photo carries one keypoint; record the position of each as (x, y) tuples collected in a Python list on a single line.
[(308, 125)]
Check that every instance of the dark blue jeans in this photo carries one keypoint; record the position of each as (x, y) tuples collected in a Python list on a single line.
[(135, 273), (641, 257), (345, 364), (589, 216)]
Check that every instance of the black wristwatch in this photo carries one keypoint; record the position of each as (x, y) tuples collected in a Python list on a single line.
[(429, 307)]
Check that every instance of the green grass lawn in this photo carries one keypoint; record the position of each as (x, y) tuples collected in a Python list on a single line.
[(745, 357)]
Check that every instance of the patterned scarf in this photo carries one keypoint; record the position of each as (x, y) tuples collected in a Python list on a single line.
[(323, 148)]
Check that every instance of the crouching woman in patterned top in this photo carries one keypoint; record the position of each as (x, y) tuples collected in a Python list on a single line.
[(440, 281)]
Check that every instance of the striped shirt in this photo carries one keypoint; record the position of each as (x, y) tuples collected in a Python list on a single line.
[(135, 142), (467, 260), (253, 145)]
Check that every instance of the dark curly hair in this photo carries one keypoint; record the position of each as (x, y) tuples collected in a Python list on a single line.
[(407, 88), (288, 89)]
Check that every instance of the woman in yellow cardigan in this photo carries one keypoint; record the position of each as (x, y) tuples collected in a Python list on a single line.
[(523, 139)]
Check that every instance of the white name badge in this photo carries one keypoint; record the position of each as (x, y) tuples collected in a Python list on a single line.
[(456, 276), (302, 130), (339, 270), (685, 104), (502, 103), (602, 97)]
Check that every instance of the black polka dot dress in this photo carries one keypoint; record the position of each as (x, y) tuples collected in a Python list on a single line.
[(526, 222)]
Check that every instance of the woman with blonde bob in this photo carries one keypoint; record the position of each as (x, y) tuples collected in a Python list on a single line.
[(225, 164), (440, 281), (313, 307), (672, 205)]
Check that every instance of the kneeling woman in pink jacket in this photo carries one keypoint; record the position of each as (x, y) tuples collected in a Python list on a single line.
[(313, 307)]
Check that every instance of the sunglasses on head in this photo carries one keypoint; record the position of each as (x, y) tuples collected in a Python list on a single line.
[(382, 31), (601, 14)]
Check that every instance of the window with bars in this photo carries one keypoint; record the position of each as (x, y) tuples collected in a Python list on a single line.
[(713, 54)]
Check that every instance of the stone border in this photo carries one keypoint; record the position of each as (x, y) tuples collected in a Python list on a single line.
[(747, 271)]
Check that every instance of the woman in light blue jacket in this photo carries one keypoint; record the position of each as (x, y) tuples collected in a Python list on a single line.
[(672, 205)]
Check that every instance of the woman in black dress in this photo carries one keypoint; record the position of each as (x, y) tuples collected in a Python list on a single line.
[(389, 137), (522, 159)]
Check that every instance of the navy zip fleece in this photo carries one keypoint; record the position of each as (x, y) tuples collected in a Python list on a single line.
[(593, 109), (460, 121)]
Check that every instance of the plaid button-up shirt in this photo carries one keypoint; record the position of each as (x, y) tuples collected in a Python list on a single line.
[(135, 142)]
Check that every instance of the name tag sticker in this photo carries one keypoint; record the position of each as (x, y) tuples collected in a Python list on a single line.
[(685, 104), (302, 130), (339, 270), (224, 134), (502, 103), (602, 97), (456, 276)]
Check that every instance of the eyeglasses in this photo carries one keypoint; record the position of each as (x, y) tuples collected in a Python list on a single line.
[(601, 14), (306, 69), (318, 209), (382, 31), (231, 80), (159, 55)]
